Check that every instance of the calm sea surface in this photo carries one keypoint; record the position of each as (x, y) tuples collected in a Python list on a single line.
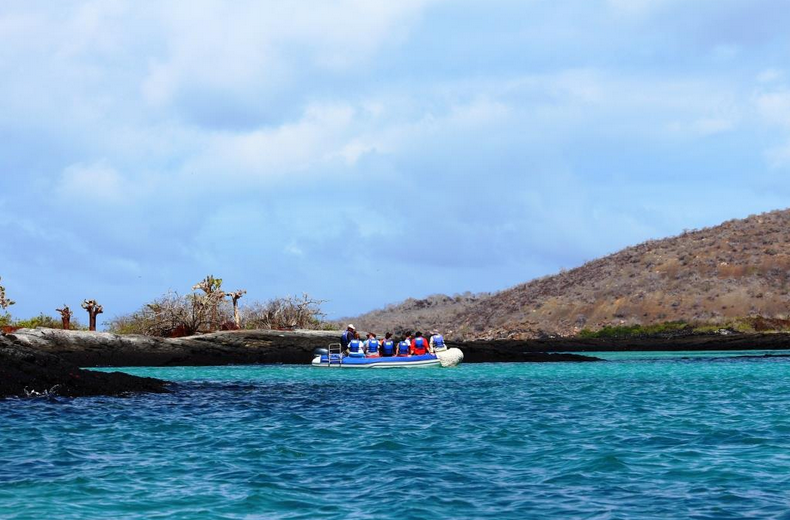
[(646, 435)]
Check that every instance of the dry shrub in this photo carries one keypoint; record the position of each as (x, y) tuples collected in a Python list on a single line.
[(671, 268), (173, 315), (290, 312), (735, 303), (776, 263), (732, 270)]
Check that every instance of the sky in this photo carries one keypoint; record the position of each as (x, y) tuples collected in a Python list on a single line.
[(366, 152)]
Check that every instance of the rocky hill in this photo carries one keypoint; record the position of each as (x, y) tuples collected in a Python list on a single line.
[(738, 269)]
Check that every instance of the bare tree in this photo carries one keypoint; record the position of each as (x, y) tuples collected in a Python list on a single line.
[(94, 309), (284, 313), (65, 316), (174, 315), (4, 301), (235, 297)]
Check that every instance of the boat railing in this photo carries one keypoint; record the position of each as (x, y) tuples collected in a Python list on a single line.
[(335, 352)]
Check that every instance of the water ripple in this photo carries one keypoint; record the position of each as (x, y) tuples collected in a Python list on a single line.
[(648, 437)]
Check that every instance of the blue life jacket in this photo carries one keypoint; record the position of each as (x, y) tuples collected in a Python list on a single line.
[(373, 346), (388, 347), (403, 347), (438, 341), (355, 346)]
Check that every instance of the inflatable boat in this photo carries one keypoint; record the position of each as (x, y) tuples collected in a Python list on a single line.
[(333, 358)]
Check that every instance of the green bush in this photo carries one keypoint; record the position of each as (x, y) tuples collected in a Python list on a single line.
[(135, 323), (38, 321), (47, 322)]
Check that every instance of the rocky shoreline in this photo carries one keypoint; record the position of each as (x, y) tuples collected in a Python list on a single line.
[(662, 343), (36, 361), (89, 349), (28, 372)]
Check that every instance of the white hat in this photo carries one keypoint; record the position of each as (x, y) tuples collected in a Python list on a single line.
[(350, 326)]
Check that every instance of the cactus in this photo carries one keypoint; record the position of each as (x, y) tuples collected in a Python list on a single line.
[(94, 309)]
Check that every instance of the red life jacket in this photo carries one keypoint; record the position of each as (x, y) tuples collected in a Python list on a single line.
[(420, 346)]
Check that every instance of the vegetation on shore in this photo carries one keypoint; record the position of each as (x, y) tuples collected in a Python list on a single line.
[(174, 315), (747, 325), (208, 308)]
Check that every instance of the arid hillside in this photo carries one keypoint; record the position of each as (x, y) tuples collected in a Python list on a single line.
[(710, 276)]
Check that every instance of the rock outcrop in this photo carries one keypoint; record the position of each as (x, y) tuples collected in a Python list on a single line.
[(27, 372), (220, 348), (242, 347)]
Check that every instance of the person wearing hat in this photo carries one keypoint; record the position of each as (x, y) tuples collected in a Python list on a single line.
[(437, 342), (347, 336)]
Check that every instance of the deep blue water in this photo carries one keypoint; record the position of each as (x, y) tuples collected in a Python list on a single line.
[(643, 435)]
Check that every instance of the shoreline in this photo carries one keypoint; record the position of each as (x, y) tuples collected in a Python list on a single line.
[(27, 372), (700, 342), (43, 360), (246, 347)]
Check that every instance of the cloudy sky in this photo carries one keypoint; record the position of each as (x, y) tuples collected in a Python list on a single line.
[(365, 152)]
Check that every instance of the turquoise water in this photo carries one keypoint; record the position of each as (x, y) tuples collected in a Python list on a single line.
[(645, 435)]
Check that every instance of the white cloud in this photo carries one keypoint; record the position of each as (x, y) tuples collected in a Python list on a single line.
[(778, 156), (94, 183), (712, 125), (259, 155), (356, 149), (257, 47), (775, 107), (478, 113), (770, 75), (637, 8)]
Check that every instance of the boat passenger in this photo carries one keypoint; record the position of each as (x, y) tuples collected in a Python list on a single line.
[(437, 342), (388, 345), (372, 346), (356, 347), (419, 345), (347, 336), (404, 347)]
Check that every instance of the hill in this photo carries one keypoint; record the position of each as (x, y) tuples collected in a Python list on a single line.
[(734, 271)]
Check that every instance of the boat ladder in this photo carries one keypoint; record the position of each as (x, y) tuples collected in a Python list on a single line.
[(336, 351)]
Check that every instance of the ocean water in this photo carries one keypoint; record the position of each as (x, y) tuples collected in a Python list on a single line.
[(645, 435)]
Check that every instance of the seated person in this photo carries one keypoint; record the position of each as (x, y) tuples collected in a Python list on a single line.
[(371, 346), (356, 347), (437, 342), (419, 345), (404, 347), (388, 345)]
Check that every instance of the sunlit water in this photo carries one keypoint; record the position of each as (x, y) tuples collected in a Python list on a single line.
[(642, 435)]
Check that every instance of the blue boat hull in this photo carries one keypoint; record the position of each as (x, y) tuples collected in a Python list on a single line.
[(425, 361)]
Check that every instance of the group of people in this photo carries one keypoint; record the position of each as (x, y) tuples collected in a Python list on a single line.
[(410, 345)]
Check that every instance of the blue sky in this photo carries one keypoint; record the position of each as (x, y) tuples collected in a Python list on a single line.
[(365, 152)]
